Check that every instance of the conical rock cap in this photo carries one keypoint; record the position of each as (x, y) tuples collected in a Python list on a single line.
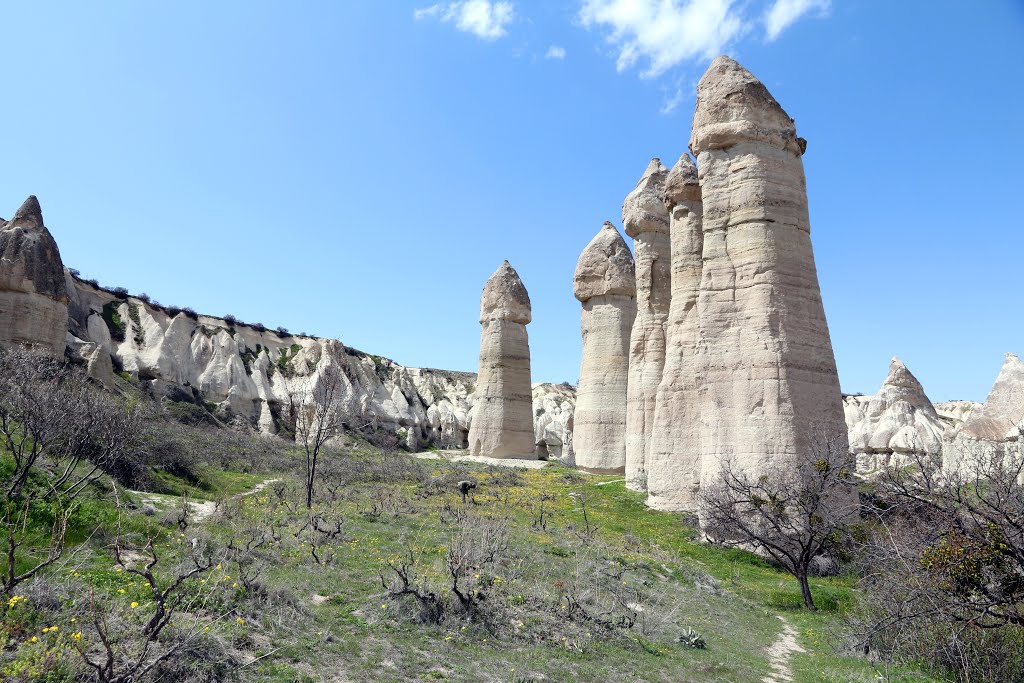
[(644, 208), (681, 183), (29, 259), (504, 297), (605, 267)]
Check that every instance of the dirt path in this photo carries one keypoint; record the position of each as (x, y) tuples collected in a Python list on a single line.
[(779, 652), (200, 510)]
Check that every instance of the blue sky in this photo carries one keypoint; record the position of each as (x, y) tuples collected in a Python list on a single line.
[(358, 169)]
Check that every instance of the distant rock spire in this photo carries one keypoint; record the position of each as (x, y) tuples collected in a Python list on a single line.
[(898, 420), (33, 291), (502, 421)]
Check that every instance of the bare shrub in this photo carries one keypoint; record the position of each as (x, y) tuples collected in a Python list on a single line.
[(942, 567), (790, 515)]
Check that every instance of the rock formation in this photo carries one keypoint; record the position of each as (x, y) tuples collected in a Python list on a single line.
[(33, 294), (502, 421), (673, 466), (605, 283), (646, 220), (994, 428), (956, 413), (894, 426), (764, 355), (1003, 411), (553, 406)]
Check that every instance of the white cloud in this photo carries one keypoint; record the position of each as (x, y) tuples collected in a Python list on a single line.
[(482, 18), (665, 32), (673, 102), (783, 13), (424, 12), (555, 52)]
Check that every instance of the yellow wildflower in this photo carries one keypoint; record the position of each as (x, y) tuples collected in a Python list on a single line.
[(134, 604), (77, 636), (240, 620)]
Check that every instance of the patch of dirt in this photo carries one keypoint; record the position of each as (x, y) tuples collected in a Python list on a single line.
[(779, 652)]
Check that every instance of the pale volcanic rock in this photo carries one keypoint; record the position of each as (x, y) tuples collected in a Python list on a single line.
[(33, 291), (605, 284), (997, 419), (956, 412), (770, 385), (646, 220), (894, 426), (502, 422), (674, 465), (553, 406), (248, 373), (992, 431)]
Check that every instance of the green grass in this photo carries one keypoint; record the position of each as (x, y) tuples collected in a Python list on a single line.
[(326, 622)]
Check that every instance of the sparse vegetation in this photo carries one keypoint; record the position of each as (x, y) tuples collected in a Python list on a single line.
[(115, 325), (388, 574)]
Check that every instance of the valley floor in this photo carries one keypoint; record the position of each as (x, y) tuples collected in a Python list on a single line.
[(566, 577)]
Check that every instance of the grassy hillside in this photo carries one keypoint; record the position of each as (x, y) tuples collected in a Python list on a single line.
[(564, 577)]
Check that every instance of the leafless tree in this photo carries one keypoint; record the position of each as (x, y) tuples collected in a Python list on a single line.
[(51, 417), (790, 515), (318, 411), (55, 424)]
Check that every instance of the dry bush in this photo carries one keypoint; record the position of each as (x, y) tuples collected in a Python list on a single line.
[(942, 568)]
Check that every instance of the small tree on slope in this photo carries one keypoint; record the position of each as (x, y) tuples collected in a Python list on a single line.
[(791, 516)]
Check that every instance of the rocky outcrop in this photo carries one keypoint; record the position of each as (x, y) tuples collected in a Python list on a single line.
[(245, 374), (674, 466), (502, 421), (646, 220), (33, 294), (1003, 411), (954, 413), (770, 387), (993, 429), (605, 284), (895, 426), (553, 406)]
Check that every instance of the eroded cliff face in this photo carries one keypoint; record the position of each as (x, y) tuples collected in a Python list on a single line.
[(246, 375)]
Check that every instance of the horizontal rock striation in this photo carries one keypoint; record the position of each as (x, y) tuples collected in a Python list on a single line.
[(770, 387)]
